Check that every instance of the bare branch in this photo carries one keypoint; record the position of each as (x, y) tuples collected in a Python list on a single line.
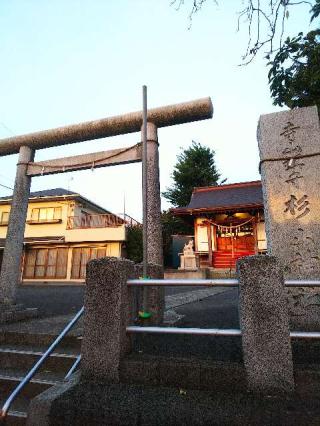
[(265, 20)]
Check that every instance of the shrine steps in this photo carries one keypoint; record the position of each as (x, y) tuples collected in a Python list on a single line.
[(225, 259)]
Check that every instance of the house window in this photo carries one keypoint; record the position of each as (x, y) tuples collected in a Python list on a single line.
[(4, 218), (46, 263), (47, 214), (82, 255)]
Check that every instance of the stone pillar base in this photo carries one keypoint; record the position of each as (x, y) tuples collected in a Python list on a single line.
[(14, 313), (156, 295), (264, 321)]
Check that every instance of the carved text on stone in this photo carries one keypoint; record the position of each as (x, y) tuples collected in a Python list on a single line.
[(299, 207)]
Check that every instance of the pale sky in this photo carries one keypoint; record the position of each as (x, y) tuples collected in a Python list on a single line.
[(64, 62)]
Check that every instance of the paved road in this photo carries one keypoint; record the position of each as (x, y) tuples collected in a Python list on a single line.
[(218, 311), (52, 300), (66, 299)]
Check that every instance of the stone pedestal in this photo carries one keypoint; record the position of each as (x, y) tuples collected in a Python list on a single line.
[(289, 144), (107, 314), (188, 262), (265, 325)]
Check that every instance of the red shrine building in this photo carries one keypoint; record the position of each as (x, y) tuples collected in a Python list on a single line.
[(228, 222)]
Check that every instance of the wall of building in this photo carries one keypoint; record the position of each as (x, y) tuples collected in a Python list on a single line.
[(42, 229), (112, 249), (201, 235), (261, 236), (116, 233)]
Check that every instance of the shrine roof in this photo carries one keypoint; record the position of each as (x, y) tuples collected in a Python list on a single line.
[(224, 197)]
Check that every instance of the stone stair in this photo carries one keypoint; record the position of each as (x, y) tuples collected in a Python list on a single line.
[(18, 353)]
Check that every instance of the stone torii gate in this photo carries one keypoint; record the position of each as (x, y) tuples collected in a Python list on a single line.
[(26, 145)]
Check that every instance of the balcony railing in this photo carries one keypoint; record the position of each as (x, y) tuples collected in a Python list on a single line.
[(94, 221), (129, 221)]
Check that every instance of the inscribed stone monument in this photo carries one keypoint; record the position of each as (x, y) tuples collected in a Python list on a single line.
[(289, 144)]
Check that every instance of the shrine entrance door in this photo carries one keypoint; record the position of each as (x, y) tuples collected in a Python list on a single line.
[(232, 245)]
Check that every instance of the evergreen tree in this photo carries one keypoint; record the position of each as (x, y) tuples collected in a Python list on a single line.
[(195, 167)]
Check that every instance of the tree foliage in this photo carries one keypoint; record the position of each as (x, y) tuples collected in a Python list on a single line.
[(171, 225), (195, 167), (134, 243), (294, 75)]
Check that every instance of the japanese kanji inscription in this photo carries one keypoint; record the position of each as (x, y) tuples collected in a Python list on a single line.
[(289, 142)]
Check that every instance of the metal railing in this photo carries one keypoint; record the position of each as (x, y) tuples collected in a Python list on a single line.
[(211, 283), (302, 283), (73, 368), (228, 282), (130, 221), (37, 365), (184, 282), (179, 330), (219, 282)]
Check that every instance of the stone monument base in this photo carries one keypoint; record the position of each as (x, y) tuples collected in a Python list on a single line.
[(13, 313)]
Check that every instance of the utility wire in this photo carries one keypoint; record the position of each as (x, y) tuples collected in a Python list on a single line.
[(7, 178), (7, 128), (4, 186)]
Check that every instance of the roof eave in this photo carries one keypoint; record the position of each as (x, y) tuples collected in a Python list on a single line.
[(189, 211), (75, 196)]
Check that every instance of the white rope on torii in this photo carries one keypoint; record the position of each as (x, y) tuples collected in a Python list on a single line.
[(92, 164), (229, 228)]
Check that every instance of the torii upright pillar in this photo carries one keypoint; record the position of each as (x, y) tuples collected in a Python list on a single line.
[(11, 264), (154, 231)]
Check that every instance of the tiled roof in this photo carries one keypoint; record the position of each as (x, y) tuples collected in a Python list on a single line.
[(56, 192), (244, 194)]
